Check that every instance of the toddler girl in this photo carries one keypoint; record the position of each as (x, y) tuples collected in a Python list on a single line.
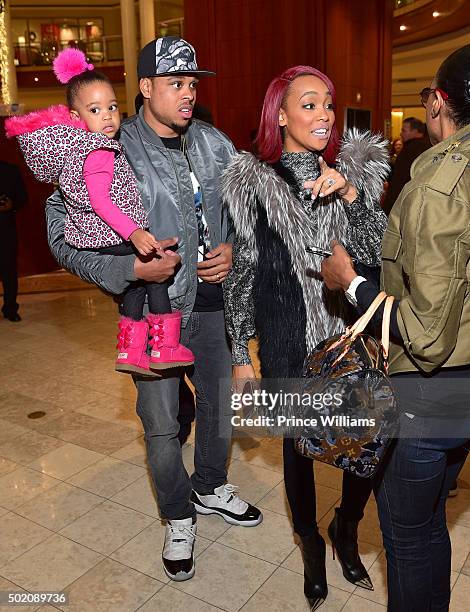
[(75, 147)]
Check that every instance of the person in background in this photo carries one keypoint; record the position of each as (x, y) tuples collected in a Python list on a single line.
[(415, 142), (395, 148), (12, 198)]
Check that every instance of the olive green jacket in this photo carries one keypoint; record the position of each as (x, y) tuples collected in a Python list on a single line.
[(426, 259)]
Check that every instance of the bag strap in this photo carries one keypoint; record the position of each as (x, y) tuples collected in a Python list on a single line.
[(386, 325), (363, 321), (358, 327), (351, 333)]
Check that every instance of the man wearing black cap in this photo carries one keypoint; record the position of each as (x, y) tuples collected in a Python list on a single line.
[(178, 162)]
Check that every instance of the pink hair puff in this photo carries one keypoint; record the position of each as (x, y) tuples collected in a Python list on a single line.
[(69, 63)]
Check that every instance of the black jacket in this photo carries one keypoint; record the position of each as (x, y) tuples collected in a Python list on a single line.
[(12, 186), (401, 170)]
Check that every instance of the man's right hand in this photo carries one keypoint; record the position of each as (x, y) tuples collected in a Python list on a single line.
[(160, 268)]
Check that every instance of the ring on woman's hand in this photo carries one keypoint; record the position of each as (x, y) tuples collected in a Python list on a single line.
[(330, 182), (218, 276)]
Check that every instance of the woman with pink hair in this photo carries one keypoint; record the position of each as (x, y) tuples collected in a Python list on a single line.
[(304, 188)]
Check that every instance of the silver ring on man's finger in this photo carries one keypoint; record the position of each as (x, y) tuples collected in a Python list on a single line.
[(330, 182)]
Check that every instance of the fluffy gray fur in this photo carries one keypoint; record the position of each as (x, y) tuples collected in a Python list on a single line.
[(365, 161)]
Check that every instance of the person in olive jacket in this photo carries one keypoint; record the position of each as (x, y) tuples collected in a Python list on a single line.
[(425, 266)]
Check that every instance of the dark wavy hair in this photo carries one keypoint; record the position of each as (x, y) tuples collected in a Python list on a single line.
[(81, 80), (415, 124), (269, 140), (453, 77)]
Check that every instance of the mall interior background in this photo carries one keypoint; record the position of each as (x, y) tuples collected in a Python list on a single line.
[(80, 469), (379, 53)]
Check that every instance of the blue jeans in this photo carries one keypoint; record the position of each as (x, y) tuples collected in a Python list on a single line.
[(411, 498), (158, 406)]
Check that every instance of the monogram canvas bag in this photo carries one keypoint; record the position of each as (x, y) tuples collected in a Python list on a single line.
[(352, 436)]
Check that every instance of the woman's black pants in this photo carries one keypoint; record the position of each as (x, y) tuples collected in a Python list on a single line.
[(299, 481)]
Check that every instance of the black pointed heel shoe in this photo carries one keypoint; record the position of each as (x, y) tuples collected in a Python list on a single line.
[(314, 554), (343, 536)]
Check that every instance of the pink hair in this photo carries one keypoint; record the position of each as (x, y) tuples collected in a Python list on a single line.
[(269, 140), (54, 115), (70, 63)]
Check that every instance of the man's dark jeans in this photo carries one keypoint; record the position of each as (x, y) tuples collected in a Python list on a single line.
[(411, 500), (158, 405)]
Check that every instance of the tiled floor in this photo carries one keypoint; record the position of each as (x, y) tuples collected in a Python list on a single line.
[(77, 510)]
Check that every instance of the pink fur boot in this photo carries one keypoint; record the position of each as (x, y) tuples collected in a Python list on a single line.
[(167, 352), (132, 347)]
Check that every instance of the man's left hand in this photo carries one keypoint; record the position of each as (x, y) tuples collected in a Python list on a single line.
[(337, 270), (217, 265)]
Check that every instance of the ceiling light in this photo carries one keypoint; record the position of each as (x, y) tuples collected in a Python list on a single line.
[(36, 79), (403, 28), (435, 14)]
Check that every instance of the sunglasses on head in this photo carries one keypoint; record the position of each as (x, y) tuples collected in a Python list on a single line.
[(427, 91)]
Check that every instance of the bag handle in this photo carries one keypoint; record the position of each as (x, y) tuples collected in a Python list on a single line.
[(358, 327), (387, 313), (386, 325), (363, 321)]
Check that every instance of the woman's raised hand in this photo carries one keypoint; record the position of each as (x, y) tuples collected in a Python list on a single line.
[(329, 181)]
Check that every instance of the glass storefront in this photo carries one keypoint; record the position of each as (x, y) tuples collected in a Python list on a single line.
[(37, 41)]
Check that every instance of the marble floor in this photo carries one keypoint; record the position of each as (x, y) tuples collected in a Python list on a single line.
[(77, 512)]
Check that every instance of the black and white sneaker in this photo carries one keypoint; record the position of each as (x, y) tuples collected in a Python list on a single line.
[(178, 551), (226, 503)]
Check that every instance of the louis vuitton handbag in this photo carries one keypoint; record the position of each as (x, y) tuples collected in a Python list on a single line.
[(352, 433)]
